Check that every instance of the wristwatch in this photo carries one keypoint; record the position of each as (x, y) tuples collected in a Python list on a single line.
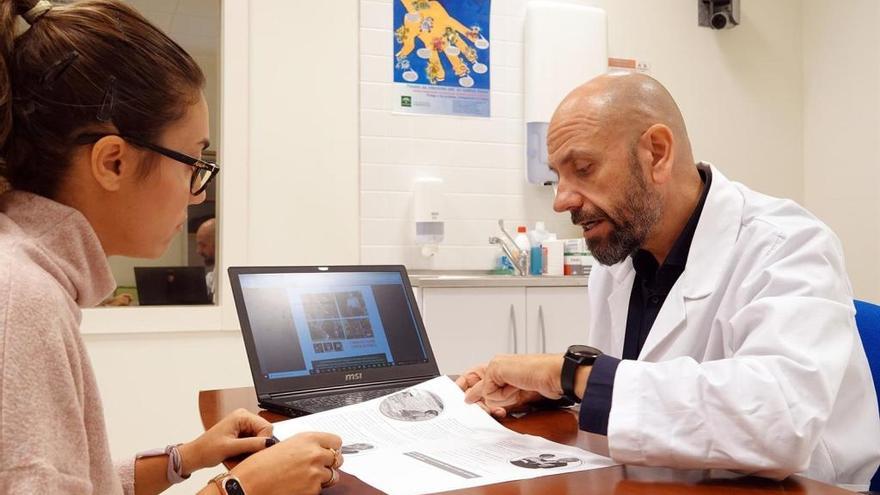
[(228, 484), (575, 357)]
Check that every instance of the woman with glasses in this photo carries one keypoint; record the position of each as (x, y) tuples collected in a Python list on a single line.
[(102, 124)]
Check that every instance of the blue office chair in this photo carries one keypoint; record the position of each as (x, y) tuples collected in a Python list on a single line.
[(868, 323)]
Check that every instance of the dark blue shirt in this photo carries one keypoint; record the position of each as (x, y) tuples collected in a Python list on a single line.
[(651, 285)]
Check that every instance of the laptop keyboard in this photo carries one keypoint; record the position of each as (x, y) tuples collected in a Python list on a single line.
[(324, 402)]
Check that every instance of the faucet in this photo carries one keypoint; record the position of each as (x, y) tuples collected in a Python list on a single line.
[(519, 257)]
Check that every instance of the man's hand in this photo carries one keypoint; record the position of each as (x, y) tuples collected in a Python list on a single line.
[(509, 382), (472, 378)]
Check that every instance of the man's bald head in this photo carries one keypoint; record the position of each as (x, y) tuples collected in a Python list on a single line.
[(205, 240), (619, 147), (624, 105)]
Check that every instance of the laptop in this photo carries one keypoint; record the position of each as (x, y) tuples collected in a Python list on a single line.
[(171, 285), (321, 337)]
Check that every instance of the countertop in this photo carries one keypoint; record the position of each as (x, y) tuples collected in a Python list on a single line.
[(476, 278)]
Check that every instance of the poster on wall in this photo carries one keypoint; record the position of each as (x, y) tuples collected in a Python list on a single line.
[(441, 57)]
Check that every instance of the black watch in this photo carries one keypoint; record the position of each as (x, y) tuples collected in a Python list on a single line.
[(575, 357)]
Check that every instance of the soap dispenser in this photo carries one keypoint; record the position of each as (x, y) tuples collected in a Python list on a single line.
[(428, 203)]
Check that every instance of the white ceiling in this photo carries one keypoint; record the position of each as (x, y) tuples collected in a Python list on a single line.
[(194, 24)]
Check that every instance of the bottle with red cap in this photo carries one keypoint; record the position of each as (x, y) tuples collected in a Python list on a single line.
[(522, 243)]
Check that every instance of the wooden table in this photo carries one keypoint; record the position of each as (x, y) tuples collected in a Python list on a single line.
[(559, 426)]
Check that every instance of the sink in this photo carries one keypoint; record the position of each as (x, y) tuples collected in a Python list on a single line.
[(485, 278), (455, 276), (465, 277)]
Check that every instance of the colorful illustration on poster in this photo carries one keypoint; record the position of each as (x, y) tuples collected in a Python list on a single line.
[(441, 56)]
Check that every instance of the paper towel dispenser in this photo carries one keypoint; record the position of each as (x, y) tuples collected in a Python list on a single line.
[(565, 46)]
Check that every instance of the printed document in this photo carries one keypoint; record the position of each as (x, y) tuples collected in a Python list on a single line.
[(425, 439)]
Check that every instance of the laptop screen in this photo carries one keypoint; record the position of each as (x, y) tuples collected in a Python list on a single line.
[(312, 322)]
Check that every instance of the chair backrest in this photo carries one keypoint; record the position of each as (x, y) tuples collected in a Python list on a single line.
[(868, 323)]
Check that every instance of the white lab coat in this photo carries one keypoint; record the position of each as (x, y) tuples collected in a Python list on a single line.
[(754, 363)]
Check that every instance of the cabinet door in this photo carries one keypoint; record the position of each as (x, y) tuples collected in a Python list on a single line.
[(556, 318), (467, 326)]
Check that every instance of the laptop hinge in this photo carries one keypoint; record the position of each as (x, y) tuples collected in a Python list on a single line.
[(342, 388)]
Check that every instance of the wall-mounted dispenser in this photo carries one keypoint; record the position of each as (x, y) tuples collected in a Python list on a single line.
[(565, 46), (428, 206)]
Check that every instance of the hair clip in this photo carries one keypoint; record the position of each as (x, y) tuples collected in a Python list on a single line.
[(37, 11), (57, 69), (105, 114)]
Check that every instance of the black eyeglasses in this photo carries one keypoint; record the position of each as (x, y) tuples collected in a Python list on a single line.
[(203, 171)]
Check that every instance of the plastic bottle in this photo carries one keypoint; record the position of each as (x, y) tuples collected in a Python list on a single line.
[(536, 258), (503, 266), (553, 255), (522, 239), (522, 243)]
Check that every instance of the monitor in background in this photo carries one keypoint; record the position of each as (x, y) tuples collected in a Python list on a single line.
[(171, 285)]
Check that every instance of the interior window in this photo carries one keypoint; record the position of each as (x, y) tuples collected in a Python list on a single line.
[(185, 274)]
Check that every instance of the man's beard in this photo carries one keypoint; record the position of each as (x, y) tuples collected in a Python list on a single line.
[(632, 222)]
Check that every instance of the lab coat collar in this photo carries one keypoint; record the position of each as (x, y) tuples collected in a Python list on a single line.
[(712, 246), (716, 233), (714, 239)]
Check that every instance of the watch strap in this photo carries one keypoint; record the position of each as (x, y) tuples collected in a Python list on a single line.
[(569, 371), (574, 358)]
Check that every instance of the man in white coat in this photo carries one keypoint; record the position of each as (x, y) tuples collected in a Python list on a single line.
[(722, 327)]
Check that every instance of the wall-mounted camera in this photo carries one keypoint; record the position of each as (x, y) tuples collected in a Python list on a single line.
[(718, 14)]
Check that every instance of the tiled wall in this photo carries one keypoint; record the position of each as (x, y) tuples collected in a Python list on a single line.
[(481, 160)]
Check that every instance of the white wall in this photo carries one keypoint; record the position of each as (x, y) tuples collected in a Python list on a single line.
[(842, 130), (740, 92), (210, 66), (303, 170)]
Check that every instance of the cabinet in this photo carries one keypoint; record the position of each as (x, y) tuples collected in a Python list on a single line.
[(556, 317), (469, 325)]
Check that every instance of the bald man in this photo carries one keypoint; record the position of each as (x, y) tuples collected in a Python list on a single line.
[(205, 247), (721, 329)]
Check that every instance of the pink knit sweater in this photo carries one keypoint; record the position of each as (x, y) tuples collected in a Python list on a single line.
[(52, 433)]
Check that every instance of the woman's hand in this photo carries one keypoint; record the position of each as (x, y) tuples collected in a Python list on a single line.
[(241, 432), (296, 466)]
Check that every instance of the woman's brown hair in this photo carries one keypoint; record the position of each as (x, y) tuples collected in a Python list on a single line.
[(90, 66)]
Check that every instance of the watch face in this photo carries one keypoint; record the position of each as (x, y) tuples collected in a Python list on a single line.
[(584, 351), (233, 487)]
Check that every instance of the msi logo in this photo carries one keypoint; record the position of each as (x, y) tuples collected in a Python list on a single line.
[(353, 376)]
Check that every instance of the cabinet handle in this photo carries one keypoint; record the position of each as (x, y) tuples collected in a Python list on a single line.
[(542, 329), (513, 329)]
